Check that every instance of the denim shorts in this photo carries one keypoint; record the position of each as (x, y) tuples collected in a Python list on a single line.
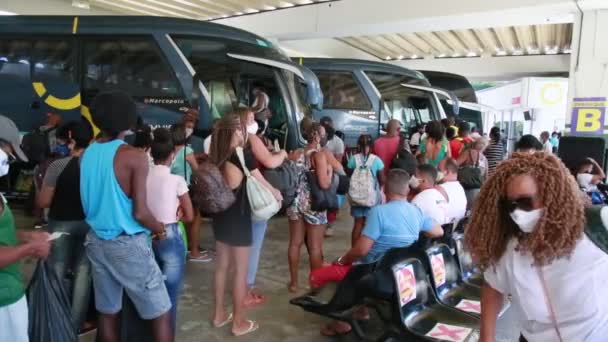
[(359, 212), (127, 262)]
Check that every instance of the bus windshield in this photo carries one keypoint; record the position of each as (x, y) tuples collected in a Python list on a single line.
[(230, 81), (409, 106)]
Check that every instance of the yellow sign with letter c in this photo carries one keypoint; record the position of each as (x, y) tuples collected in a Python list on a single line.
[(551, 94)]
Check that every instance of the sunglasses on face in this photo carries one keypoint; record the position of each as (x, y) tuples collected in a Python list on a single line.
[(525, 203)]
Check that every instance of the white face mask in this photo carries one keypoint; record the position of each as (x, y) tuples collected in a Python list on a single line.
[(189, 132), (252, 128), (414, 182), (4, 165), (526, 220)]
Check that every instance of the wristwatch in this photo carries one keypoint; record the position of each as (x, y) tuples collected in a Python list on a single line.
[(339, 261)]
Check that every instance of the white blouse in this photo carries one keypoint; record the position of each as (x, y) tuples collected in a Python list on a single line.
[(576, 288)]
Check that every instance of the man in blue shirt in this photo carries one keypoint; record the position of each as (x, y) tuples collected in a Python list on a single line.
[(391, 225), (394, 224), (113, 195)]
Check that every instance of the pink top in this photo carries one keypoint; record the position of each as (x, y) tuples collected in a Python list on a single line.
[(386, 149), (163, 191)]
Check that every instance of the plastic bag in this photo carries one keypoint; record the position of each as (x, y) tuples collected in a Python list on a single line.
[(50, 316)]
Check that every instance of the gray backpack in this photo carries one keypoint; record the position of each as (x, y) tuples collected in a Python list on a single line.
[(284, 178)]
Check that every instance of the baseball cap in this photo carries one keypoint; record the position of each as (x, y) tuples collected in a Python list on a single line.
[(10, 133)]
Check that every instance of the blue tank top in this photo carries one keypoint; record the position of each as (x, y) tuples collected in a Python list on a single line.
[(107, 208)]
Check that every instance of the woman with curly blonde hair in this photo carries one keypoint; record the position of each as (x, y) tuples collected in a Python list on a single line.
[(527, 234)]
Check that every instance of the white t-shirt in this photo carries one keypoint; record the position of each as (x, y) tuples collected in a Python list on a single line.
[(585, 181), (335, 145), (457, 200), (207, 144), (163, 191), (433, 205), (575, 288), (415, 140), (547, 147)]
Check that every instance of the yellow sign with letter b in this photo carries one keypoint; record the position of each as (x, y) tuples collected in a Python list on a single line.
[(588, 116)]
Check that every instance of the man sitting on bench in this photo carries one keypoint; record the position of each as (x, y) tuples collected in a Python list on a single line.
[(395, 224)]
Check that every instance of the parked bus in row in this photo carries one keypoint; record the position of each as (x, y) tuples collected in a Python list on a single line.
[(468, 109), (60, 63), (361, 96)]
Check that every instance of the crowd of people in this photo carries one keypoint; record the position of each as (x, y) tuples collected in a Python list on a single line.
[(125, 207)]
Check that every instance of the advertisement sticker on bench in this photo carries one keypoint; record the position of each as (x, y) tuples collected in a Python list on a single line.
[(406, 283), (450, 333), (438, 265), (469, 306)]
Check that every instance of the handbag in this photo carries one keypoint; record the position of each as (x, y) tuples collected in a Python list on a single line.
[(343, 184), (470, 176), (262, 201), (322, 199)]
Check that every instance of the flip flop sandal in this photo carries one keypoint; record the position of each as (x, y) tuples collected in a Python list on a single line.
[(253, 326), (225, 322), (329, 331)]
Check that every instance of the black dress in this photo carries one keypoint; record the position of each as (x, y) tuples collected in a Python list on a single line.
[(233, 226)]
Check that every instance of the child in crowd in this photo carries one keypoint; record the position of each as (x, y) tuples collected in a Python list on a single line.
[(143, 141), (364, 159), (169, 202), (183, 165)]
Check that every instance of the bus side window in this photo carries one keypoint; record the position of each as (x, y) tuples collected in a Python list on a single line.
[(49, 60), (341, 91), (133, 65)]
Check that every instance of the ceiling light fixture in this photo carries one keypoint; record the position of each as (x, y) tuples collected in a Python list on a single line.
[(471, 54), (567, 50), (501, 52), (84, 4), (400, 57), (414, 56), (7, 13), (388, 58), (284, 4), (441, 55), (269, 8), (251, 10), (455, 54), (518, 52)]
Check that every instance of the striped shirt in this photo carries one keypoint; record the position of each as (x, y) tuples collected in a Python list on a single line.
[(494, 153)]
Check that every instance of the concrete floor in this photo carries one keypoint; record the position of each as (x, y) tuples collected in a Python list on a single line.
[(279, 321)]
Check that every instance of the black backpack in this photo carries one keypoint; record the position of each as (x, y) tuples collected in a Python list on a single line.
[(405, 161), (285, 179), (35, 145)]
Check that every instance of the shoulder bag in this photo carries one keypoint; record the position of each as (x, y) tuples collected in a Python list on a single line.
[(470, 176), (322, 199), (262, 201)]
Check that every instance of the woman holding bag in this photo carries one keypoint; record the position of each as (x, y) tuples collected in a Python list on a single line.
[(304, 222), (232, 228), (267, 160)]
